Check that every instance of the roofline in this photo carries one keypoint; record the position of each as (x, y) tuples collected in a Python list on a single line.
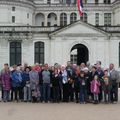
[(65, 27)]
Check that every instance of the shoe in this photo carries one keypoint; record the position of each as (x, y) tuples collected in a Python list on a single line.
[(115, 102)]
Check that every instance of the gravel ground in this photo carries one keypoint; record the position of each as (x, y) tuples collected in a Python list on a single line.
[(54, 111)]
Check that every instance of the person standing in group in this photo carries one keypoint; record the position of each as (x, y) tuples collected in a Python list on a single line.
[(46, 77), (114, 79), (56, 85), (83, 88), (100, 75), (16, 83), (106, 86), (91, 77), (65, 86), (95, 89), (34, 84), (6, 83), (26, 84), (71, 73), (41, 84), (76, 84)]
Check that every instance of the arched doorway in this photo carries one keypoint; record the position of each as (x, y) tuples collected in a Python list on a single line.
[(79, 54)]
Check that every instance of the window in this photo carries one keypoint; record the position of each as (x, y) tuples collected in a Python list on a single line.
[(48, 24), (15, 53), (63, 19), (96, 1), (39, 52), (84, 17), (28, 15), (107, 19), (107, 1), (42, 24), (97, 19), (48, 1), (73, 58), (13, 19), (13, 8), (73, 17)]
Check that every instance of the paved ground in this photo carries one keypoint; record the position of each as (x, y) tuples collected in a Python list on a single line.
[(65, 111)]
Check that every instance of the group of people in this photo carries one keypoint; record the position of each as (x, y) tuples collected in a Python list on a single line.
[(59, 83)]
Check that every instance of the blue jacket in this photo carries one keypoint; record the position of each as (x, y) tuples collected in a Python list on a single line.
[(26, 78), (16, 79)]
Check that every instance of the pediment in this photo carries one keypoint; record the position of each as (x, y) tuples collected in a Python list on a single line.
[(79, 28)]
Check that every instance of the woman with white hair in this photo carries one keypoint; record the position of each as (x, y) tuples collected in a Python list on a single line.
[(64, 75), (16, 83)]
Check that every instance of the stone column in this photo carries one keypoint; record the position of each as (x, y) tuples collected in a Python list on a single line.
[(58, 19), (68, 18), (46, 19)]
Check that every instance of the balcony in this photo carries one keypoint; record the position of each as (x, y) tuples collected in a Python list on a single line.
[(27, 29), (110, 29)]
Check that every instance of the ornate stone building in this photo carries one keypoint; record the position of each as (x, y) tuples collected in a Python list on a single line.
[(49, 31)]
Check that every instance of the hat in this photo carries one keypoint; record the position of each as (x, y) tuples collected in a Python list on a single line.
[(85, 69)]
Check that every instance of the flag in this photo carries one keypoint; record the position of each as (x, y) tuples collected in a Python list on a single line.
[(80, 7)]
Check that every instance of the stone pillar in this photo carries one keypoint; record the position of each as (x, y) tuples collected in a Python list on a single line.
[(58, 19), (68, 18), (46, 17)]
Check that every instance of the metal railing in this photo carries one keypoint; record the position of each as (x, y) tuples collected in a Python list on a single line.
[(112, 29)]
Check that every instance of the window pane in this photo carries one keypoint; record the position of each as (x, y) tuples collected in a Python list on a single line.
[(15, 53), (39, 52)]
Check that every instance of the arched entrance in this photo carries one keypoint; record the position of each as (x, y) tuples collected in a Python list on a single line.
[(79, 54)]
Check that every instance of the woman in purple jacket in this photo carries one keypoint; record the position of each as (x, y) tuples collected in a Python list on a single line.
[(6, 83)]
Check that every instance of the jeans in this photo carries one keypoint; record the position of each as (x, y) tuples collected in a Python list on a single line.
[(46, 92), (106, 97), (41, 91), (27, 93), (83, 94), (96, 97), (6, 95)]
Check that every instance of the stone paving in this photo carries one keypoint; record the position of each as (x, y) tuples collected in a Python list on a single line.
[(54, 111)]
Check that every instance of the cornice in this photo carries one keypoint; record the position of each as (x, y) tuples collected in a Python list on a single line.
[(20, 3)]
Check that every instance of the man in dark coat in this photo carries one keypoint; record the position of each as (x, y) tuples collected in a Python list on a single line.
[(114, 78)]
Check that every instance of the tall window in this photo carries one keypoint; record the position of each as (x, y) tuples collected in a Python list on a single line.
[(73, 17), (96, 19), (15, 53), (63, 19), (13, 19), (84, 17), (28, 15), (39, 52), (107, 1), (107, 19), (48, 1), (96, 1), (13, 8)]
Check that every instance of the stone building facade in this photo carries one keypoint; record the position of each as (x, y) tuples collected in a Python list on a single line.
[(50, 31)]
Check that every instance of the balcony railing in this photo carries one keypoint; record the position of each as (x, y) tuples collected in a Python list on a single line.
[(27, 29), (111, 29), (45, 29)]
